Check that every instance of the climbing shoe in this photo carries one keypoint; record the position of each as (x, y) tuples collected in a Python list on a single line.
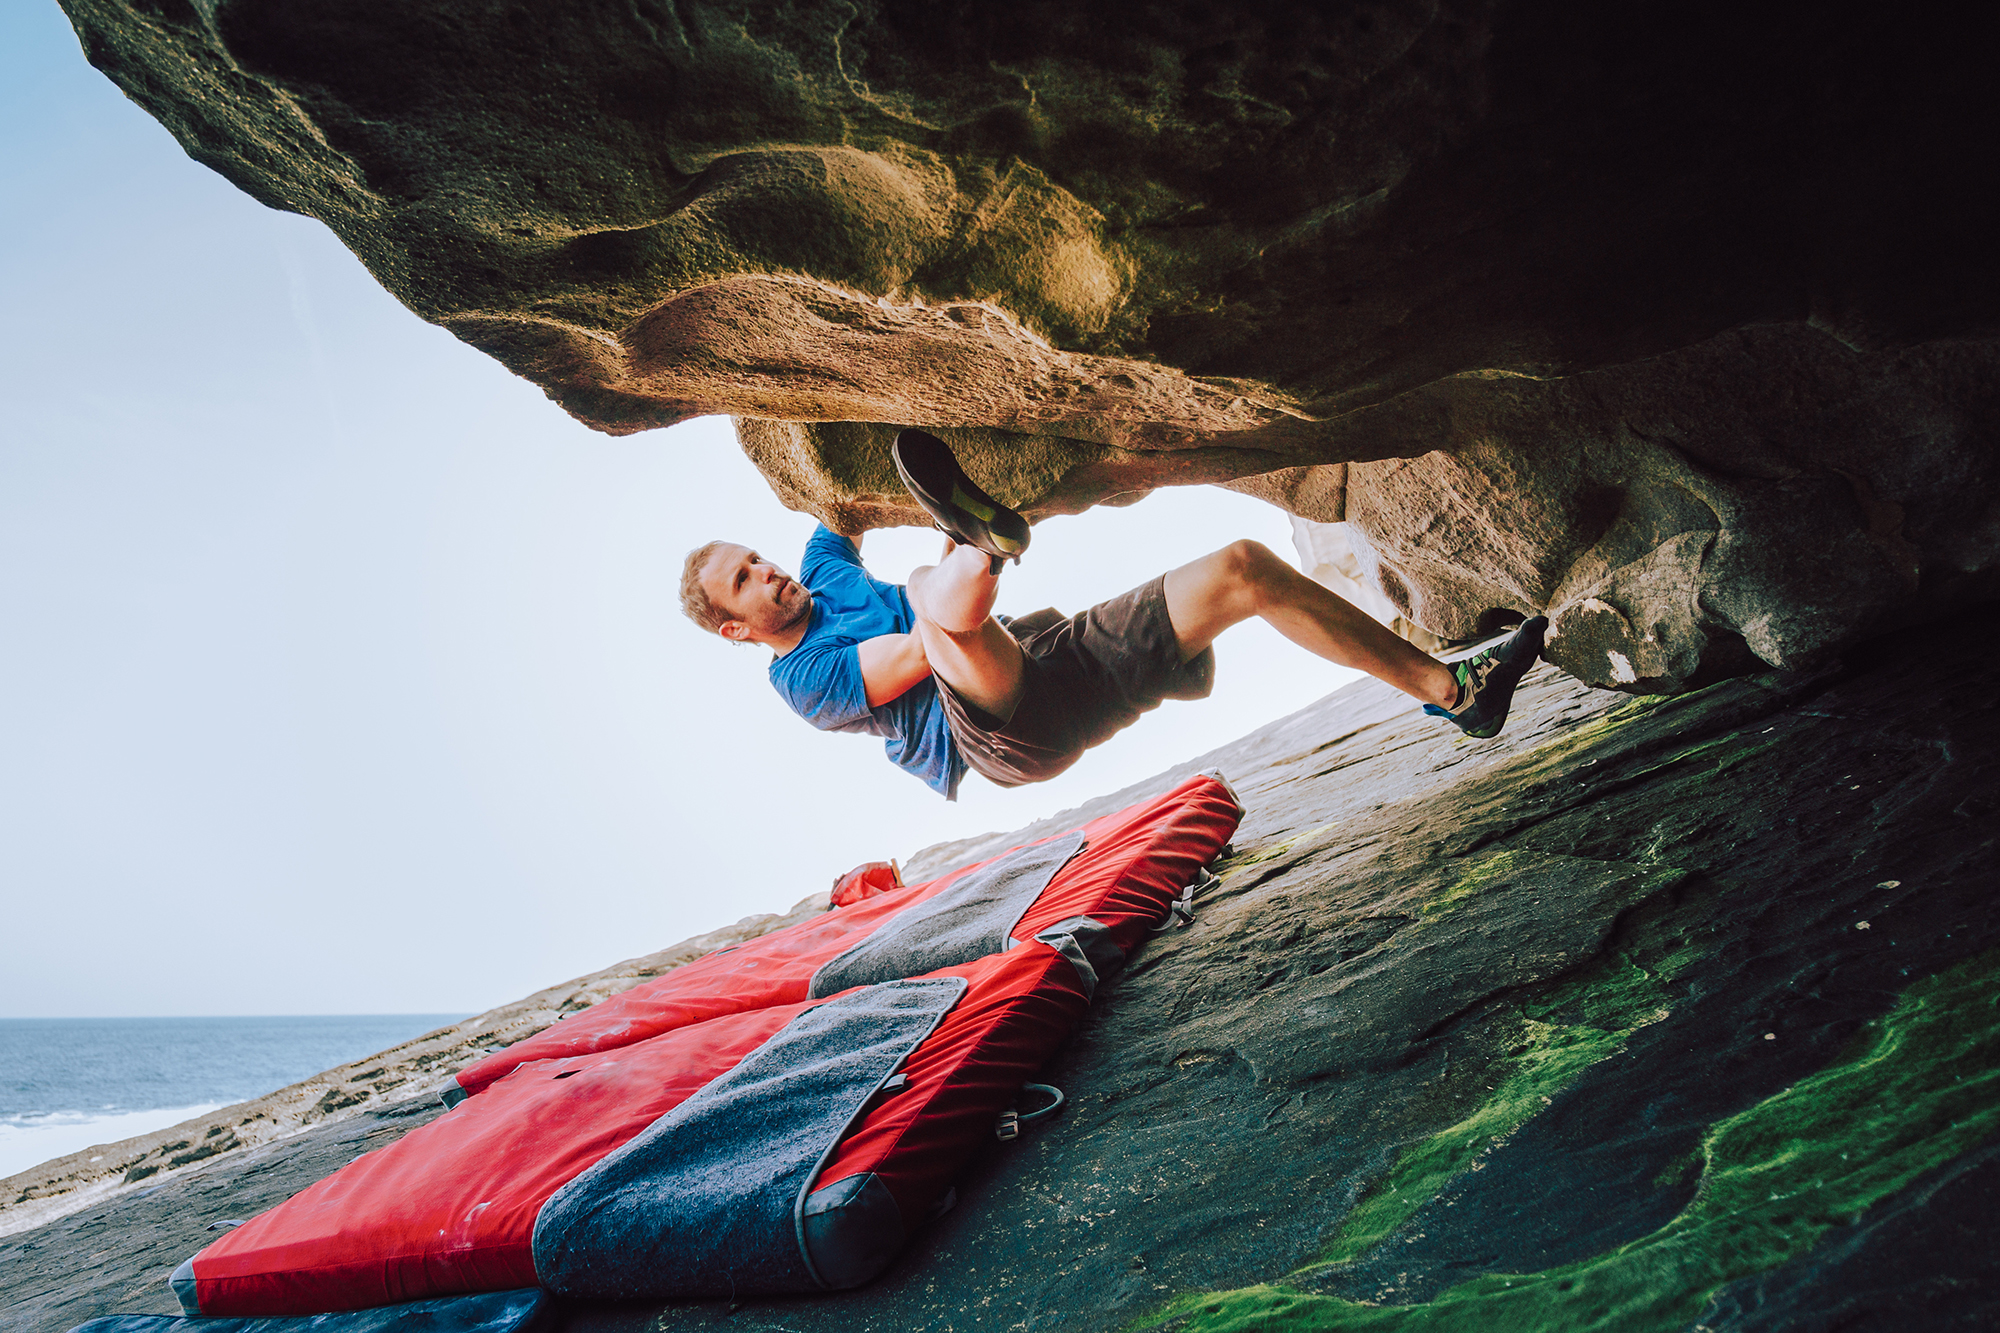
[(1486, 680), (963, 512)]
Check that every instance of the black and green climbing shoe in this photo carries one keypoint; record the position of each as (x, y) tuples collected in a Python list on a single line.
[(963, 512), (1486, 680)]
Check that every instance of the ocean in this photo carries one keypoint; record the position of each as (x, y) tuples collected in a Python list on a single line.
[(68, 1083)]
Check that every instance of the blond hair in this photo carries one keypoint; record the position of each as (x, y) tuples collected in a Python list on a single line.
[(695, 604)]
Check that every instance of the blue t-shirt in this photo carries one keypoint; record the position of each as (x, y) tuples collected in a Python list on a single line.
[(821, 678)]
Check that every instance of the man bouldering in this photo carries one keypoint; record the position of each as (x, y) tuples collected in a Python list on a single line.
[(949, 685)]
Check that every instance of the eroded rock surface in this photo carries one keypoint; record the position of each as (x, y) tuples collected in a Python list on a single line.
[(1651, 1014), (1672, 320)]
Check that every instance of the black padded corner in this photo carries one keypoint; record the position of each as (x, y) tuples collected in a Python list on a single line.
[(852, 1229), (451, 1094)]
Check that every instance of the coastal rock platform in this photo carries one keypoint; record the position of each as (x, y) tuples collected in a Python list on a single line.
[(1663, 1013)]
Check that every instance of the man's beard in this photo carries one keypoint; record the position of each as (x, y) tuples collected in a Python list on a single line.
[(779, 626)]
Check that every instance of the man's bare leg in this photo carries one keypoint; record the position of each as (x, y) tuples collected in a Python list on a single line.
[(968, 649), (1245, 579)]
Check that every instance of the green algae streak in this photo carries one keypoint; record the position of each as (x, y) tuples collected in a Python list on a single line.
[(1917, 1088), (1604, 1006)]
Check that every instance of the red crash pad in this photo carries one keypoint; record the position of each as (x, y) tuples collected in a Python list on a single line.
[(452, 1206)]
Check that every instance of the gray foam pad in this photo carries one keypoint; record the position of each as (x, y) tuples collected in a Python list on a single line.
[(706, 1202), (972, 917)]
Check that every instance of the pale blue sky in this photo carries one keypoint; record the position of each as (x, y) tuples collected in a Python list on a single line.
[(339, 670)]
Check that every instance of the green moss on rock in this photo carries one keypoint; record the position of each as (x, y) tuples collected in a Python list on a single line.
[(1601, 1009), (1914, 1091)]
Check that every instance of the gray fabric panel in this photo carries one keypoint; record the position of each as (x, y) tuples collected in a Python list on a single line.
[(969, 920), (707, 1201), (1088, 945), (853, 1228), (451, 1094), (182, 1282), (530, 1311)]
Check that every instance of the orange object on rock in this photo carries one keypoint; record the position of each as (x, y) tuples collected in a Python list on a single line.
[(865, 881)]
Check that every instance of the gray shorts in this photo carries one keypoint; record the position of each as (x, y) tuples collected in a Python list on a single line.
[(1088, 677)]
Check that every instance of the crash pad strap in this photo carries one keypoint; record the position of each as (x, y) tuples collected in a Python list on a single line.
[(973, 917), (706, 1201)]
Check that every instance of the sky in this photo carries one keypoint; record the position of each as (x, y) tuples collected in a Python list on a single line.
[(341, 671)]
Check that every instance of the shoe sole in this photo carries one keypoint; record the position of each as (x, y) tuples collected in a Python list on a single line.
[(961, 510)]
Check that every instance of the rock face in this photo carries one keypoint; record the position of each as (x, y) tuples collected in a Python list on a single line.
[(1653, 1014), (1673, 320), (1327, 555)]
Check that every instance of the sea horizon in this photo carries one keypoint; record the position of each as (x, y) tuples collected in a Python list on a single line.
[(67, 1084)]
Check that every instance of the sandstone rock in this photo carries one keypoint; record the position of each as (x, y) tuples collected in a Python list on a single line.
[(1327, 556), (1674, 321), (1576, 1029)]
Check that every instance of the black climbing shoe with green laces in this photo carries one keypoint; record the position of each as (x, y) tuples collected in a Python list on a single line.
[(963, 512), (1486, 680)]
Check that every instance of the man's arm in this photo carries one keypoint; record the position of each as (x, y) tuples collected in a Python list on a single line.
[(890, 665)]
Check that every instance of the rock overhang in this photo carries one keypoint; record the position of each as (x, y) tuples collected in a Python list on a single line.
[(1674, 322)]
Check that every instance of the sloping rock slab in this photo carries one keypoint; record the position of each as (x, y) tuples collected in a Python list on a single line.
[(1468, 1036)]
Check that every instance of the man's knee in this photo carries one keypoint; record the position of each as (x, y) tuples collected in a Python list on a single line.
[(1251, 566)]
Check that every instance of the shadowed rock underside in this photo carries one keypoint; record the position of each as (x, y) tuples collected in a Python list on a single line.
[(1673, 320)]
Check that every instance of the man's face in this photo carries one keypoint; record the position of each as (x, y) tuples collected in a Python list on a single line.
[(759, 598)]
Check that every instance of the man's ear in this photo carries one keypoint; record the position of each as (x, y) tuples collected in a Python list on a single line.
[(733, 630)]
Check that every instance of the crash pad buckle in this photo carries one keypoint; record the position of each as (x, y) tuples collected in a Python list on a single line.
[(1008, 1127), (1180, 912), (892, 1085)]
